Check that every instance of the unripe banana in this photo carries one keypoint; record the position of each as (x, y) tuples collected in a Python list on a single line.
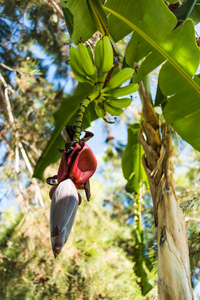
[(78, 76), (119, 78), (98, 58), (90, 53), (85, 59), (120, 103), (123, 91), (107, 55), (99, 110), (114, 111), (75, 61)]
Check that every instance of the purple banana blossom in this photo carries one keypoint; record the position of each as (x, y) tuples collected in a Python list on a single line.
[(63, 210), (79, 166)]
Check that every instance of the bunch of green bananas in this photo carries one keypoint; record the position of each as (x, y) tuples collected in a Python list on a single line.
[(110, 97), (93, 69), (89, 68), (81, 63)]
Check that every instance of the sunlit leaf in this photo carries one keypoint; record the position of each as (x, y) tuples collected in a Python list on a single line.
[(78, 19), (177, 46)]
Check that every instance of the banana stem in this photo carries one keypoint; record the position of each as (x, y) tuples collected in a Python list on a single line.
[(79, 118)]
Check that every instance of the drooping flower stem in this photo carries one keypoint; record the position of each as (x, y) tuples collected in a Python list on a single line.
[(79, 118), (80, 114)]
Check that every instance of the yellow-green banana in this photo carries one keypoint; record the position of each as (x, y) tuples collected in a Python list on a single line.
[(98, 58), (78, 76), (120, 103), (99, 110), (107, 55), (119, 78), (123, 91), (85, 59), (90, 53), (75, 61), (114, 111)]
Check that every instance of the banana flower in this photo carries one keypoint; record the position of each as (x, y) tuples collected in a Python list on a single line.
[(77, 165)]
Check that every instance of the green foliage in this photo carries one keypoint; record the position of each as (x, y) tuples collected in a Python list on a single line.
[(195, 14), (32, 98), (77, 12), (184, 11), (167, 43), (98, 15), (127, 209), (40, 28)]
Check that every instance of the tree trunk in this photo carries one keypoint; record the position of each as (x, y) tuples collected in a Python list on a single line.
[(174, 281)]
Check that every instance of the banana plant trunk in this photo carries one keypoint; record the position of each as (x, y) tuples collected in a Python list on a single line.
[(174, 282)]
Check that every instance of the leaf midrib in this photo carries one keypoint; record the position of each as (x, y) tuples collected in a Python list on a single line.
[(157, 47)]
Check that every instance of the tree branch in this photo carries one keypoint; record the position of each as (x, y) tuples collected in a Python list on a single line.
[(59, 10)]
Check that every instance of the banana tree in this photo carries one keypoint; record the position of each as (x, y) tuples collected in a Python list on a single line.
[(156, 37)]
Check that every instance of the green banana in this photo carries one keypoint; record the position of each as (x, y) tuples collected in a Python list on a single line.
[(75, 61), (79, 76), (107, 55), (120, 103), (119, 78), (114, 111), (85, 59), (123, 91), (90, 53), (98, 57), (99, 110)]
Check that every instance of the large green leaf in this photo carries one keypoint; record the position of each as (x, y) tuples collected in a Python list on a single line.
[(183, 107), (78, 19), (177, 46), (139, 48), (195, 14), (63, 116), (98, 15), (117, 28), (183, 12)]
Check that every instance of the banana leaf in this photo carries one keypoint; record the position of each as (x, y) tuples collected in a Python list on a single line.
[(78, 20), (179, 49)]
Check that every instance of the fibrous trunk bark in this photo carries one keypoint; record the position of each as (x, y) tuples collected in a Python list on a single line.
[(174, 281)]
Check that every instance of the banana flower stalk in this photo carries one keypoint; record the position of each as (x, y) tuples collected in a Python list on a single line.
[(77, 165)]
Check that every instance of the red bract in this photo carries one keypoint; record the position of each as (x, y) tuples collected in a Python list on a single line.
[(79, 165)]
